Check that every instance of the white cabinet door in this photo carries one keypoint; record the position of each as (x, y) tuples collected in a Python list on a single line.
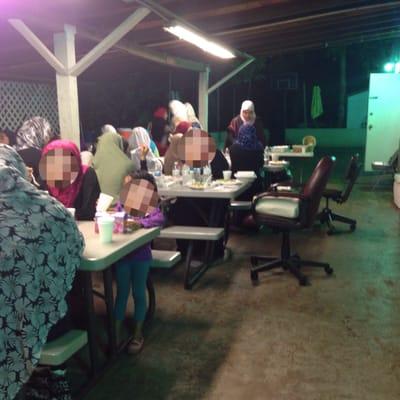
[(383, 127)]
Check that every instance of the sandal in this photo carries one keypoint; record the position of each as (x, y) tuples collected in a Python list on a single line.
[(135, 346)]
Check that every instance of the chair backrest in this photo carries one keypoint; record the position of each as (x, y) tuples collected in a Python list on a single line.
[(315, 187), (309, 140), (353, 170)]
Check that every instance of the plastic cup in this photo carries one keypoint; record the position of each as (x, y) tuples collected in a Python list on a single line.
[(274, 157), (227, 175), (106, 227), (72, 211)]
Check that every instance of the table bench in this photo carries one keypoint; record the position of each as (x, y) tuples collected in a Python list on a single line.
[(192, 233)]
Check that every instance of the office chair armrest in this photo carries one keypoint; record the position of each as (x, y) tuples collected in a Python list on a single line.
[(292, 195)]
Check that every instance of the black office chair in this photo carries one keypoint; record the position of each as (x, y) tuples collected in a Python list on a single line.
[(327, 216), (288, 211)]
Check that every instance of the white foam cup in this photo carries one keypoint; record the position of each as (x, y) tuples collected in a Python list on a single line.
[(227, 175)]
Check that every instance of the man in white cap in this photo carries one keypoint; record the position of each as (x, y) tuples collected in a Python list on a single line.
[(247, 115)]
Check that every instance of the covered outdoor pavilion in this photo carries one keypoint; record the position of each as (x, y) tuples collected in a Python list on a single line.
[(102, 39), (338, 338)]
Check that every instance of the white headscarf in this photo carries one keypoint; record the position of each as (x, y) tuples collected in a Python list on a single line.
[(191, 114), (248, 105), (140, 137), (108, 128), (179, 112)]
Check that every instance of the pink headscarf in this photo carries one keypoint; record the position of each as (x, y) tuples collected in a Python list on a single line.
[(68, 195)]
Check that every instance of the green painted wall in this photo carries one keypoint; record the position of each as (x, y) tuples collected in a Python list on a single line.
[(325, 137)]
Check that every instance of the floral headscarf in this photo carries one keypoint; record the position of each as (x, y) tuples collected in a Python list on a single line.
[(40, 251), (34, 133), (247, 138)]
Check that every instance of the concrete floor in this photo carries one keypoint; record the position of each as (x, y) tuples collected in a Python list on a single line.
[(225, 339)]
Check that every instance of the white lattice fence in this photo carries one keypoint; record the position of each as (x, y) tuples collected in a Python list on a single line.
[(20, 101)]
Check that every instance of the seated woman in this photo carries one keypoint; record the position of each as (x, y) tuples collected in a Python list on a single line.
[(132, 271), (31, 138), (172, 156), (195, 211), (111, 164), (7, 137), (40, 251), (73, 184), (137, 141), (247, 154), (160, 129)]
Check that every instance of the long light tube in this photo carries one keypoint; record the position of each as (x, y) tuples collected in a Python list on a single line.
[(199, 41)]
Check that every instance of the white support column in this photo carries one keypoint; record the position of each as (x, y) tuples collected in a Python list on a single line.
[(67, 86), (203, 97)]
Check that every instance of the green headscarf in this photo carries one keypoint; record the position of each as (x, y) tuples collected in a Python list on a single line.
[(111, 164)]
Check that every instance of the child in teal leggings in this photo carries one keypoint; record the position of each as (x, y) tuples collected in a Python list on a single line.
[(132, 271)]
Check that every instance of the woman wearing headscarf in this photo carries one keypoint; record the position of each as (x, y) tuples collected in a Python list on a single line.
[(247, 154), (40, 251), (81, 193), (111, 164), (7, 137), (31, 138), (139, 141), (160, 129), (247, 115)]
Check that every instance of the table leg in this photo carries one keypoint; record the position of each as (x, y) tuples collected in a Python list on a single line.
[(91, 321), (109, 301)]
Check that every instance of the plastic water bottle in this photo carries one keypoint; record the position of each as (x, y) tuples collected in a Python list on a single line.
[(207, 174), (159, 178), (197, 174), (186, 178), (175, 170), (207, 171), (157, 169)]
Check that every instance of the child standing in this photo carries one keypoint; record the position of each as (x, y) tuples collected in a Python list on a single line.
[(132, 271)]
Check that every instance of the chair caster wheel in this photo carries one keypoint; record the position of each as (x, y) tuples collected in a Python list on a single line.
[(352, 227), (254, 278), (328, 270), (303, 281)]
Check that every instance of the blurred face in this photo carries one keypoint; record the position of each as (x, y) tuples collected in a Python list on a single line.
[(139, 197), (59, 168), (4, 138), (247, 114)]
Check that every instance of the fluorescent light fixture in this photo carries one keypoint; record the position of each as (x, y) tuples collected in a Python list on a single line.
[(200, 41), (388, 67), (397, 68)]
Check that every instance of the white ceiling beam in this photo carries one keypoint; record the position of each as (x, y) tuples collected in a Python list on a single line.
[(109, 41), (230, 75), (133, 49), (38, 45)]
